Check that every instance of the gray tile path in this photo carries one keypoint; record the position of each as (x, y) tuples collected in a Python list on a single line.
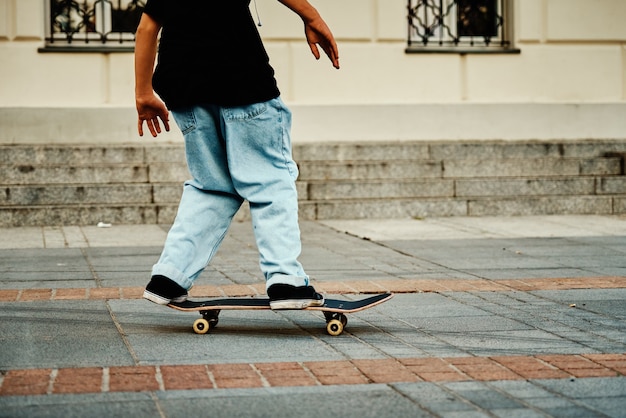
[(50, 334)]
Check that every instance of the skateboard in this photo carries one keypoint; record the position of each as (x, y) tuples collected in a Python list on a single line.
[(334, 310)]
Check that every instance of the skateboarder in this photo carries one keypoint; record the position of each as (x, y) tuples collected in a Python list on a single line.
[(213, 74)]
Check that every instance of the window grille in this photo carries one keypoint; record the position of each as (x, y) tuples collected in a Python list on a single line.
[(459, 26), (92, 24)]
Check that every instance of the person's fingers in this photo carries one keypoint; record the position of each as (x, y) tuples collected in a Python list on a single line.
[(332, 54), (153, 130), (157, 125), (314, 50)]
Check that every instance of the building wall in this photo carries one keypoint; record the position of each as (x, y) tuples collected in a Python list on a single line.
[(573, 52)]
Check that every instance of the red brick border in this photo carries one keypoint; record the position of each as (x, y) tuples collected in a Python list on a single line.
[(343, 287), (346, 372)]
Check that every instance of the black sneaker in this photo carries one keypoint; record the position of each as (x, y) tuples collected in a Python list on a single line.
[(284, 296), (162, 291)]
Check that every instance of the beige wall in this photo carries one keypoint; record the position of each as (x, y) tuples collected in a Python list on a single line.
[(572, 51)]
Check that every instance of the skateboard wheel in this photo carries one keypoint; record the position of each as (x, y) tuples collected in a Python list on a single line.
[(334, 327), (343, 319), (201, 326)]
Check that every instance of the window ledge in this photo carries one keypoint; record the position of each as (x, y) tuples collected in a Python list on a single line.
[(460, 50), (83, 49)]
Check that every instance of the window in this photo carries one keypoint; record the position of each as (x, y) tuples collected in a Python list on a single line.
[(92, 25), (459, 26)]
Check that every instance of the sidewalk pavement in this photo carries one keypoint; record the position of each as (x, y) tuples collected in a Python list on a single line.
[(515, 317)]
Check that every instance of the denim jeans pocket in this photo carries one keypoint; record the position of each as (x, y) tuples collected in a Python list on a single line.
[(245, 112), (185, 119)]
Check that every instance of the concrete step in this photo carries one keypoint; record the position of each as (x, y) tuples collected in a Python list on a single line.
[(84, 214), (24, 174), (489, 167), (94, 173), (11, 216), (126, 213), (367, 170), (453, 150), (316, 190), (85, 193), (78, 155), (51, 185), (464, 188), (459, 168), (169, 172), (438, 150), (442, 207)]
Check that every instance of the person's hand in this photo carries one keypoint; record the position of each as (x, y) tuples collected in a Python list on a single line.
[(318, 33), (150, 109)]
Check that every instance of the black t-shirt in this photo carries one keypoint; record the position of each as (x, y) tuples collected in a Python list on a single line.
[(210, 53)]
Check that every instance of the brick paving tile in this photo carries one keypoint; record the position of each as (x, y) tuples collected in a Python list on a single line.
[(342, 378), (385, 371), (482, 368), (451, 376), (31, 295), (427, 287), (285, 374), (258, 289), (364, 286), (105, 293), (346, 372), (530, 367), (332, 287), (205, 291), (606, 357), (186, 377), (486, 286), (336, 373), (80, 380), (609, 282), (286, 366), (517, 284), (616, 362), (410, 286), (231, 370), (283, 381), (9, 295), (457, 285), (70, 294), (132, 379), (235, 376), (578, 366), (565, 283), (26, 382), (132, 292), (593, 372), (226, 383), (433, 369), (235, 290)]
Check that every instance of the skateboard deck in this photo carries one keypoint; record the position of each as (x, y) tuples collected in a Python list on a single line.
[(334, 310)]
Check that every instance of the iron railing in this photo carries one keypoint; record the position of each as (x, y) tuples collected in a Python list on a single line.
[(89, 24), (459, 25)]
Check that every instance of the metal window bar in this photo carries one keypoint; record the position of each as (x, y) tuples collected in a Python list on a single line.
[(458, 25), (94, 23)]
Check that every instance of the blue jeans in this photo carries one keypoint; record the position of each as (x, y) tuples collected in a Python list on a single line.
[(236, 154)]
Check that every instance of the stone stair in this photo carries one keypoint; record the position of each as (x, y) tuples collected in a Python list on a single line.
[(83, 185)]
